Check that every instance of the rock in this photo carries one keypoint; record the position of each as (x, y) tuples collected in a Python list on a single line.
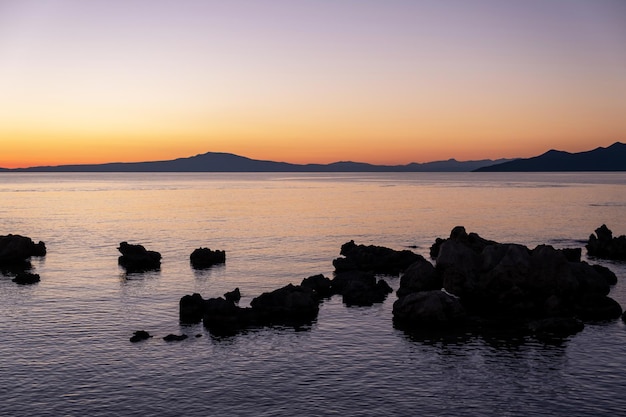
[(604, 245), (139, 336), (175, 337), (319, 284), (556, 327), (596, 307), (26, 278), (512, 282), (16, 249), (135, 258), (377, 259), (204, 257), (419, 276), (458, 233), (191, 308), (222, 316), (289, 304), (360, 288), (234, 295), (428, 309)]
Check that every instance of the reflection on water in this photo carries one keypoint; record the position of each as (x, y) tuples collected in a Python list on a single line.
[(65, 345)]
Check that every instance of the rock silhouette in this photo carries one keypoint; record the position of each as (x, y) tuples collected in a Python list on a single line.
[(202, 258), (140, 335), (135, 258), (26, 278), (16, 250), (507, 282), (604, 245), (377, 259)]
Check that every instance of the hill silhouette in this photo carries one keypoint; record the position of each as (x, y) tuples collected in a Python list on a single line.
[(226, 162), (612, 158)]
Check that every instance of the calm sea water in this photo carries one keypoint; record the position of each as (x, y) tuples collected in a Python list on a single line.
[(64, 342)]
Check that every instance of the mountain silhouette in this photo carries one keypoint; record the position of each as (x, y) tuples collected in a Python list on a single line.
[(612, 158), (227, 162)]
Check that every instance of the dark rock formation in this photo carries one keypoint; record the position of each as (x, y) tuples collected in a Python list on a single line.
[(428, 309), (605, 246), (135, 258), (234, 295), (360, 288), (191, 308), (15, 250), (377, 259), (289, 304), (319, 284), (175, 337), (139, 336), (204, 257), (26, 278), (510, 283), (419, 276)]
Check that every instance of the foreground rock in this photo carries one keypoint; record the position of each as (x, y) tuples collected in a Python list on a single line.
[(292, 305), (604, 245), (428, 309), (202, 258), (16, 250), (26, 278), (135, 258), (377, 259), (510, 283)]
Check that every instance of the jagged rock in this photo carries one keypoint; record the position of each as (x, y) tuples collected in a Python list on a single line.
[(175, 337), (17, 249), (234, 295), (513, 282), (377, 259), (139, 336), (26, 278), (604, 245), (319, 284), (428, 309), (419, 276), (205, 257), (135, 258)]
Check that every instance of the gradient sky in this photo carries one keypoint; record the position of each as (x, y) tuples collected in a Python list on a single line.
[(384, 81)]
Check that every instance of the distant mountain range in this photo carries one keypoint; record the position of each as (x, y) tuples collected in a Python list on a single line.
[(226, 162), (612, 158)]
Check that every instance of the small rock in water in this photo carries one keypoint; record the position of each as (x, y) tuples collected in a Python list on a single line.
[(175, 337), (26, 278), (139, 336)]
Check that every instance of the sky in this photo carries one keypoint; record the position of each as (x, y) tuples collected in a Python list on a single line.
[(308, 81)]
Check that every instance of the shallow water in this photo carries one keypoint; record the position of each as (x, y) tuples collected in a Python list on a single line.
[(65, 347)]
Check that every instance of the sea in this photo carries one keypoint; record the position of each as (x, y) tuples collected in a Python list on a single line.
[(64, 342)]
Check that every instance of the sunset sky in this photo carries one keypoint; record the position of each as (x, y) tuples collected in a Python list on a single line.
[(385, 81)]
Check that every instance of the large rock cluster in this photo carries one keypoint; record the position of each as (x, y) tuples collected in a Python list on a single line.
[(542, 289), (604, 245)]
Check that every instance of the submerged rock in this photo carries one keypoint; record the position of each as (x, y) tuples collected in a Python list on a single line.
[(204, 258), (604, 245), (135, 258), (377, 259), (175, 337), (17, 249), (139, 336)]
